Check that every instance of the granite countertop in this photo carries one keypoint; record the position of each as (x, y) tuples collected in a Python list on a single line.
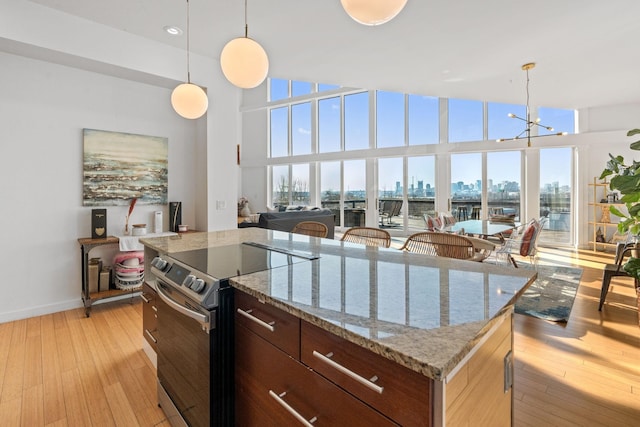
[(425, 313)]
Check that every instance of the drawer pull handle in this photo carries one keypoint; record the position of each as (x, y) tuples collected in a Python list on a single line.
[(296, 414), (146, 331), (367, 383), (154, 308), (144, 298), (248, 315)]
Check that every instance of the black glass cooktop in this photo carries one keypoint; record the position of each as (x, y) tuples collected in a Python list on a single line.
[(222, 262)]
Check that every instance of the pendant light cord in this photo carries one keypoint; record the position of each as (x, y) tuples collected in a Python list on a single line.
[(188, 68), (246, 26)]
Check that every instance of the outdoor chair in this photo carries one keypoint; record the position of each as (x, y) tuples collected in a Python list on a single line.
[(311, 228), (367, 236), (623, 251), (523, 242), (390, 208), (442, 244)]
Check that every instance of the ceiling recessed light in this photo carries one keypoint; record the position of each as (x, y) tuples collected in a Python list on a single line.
[(174, 31)]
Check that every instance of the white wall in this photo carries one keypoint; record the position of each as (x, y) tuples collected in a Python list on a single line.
[(43, 109), (55, 83)]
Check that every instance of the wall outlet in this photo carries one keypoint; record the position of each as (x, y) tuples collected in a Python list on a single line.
[(221, 204)]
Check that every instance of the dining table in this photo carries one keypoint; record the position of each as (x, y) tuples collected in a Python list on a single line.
[(482, 228)]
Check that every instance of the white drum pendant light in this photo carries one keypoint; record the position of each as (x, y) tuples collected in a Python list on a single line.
[(187, 99), (373, 12), (243, 61)]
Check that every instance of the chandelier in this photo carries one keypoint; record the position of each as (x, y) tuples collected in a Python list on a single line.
[(526, 133)]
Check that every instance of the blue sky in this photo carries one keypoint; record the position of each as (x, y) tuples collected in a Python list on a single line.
[(465, 124)]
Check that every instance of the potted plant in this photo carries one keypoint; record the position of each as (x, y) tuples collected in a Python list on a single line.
[(625, 178)]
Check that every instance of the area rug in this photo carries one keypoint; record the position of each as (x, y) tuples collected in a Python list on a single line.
[(551, 296)]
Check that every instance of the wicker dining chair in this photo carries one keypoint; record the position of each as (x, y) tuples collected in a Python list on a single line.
[(367, 236), (311, 228), (441, 244)]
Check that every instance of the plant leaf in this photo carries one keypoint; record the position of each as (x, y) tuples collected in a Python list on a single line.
[(632, 267), (614, 210)]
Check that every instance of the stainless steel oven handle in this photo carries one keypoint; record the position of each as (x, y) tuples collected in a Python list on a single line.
[(181, 309)]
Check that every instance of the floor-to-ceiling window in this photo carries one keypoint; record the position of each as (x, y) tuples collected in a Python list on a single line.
[(343, 190), (466, 185), (372, 148), (503, 183), (391, 191), (421, 191), (556, 202)]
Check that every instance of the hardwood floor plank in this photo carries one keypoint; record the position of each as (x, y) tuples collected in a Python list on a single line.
[(559, 412), (94, 394), (102, 360), (81, 348), (10, 412), (612, 408), (14, 373), (32, 406), (66, 353), (54, 407), (6, 330), (123, 413), (77, 407), (32, 362)]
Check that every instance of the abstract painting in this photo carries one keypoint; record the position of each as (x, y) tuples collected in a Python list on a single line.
[(119, 167)]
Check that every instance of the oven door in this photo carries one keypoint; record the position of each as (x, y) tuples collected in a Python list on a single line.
[(184, 348)]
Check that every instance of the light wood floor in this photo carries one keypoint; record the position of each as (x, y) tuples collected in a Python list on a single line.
[(65, 369), (585, 372)]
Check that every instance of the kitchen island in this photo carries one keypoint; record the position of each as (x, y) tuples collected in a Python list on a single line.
[(444, 324)]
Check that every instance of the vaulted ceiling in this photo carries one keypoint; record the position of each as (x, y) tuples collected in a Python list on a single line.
[(586, 51)]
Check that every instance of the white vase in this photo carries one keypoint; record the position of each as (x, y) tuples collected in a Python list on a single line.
[(245, 212)]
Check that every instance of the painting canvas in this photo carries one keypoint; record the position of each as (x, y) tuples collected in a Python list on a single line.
[(119, 167)]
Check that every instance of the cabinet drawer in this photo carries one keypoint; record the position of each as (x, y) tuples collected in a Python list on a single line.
[(268, 380), (149, 314), (402, 394), (276, 326)]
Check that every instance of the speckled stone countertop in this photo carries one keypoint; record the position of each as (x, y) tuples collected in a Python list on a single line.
[(425, 313)]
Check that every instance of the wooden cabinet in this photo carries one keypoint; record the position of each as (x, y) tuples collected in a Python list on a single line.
[(276, 326), (274, 388), (149, 315), (399, 393), (601, 219)]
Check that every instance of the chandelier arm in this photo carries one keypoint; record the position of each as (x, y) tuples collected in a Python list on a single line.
[(519, 118)]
